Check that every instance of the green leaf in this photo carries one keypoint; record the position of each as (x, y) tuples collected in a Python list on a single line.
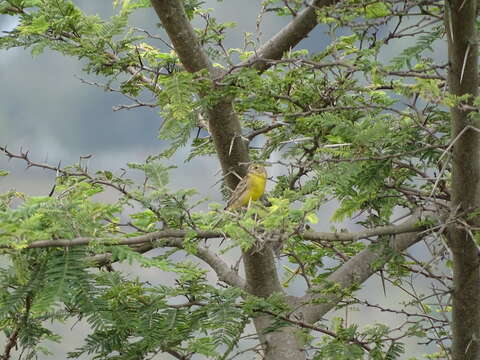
[(376, 10), (312, 218), (38, 26)]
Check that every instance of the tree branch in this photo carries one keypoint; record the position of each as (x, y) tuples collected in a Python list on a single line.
[(13, 337), (181, 33), (289, 36), (135, 240), (358, 269), (169, 238), (224, 272), (174, 238), (309, 326), (406, 227), (11, 343), (223, 123)]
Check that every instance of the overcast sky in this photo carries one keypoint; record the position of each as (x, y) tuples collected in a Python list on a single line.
[(46, 109)]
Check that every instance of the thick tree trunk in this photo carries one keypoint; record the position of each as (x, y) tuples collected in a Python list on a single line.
[(225, 129), (460, 20), (262, 281)]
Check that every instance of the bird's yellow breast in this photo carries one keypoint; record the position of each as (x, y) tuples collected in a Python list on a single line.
[(256, 187)]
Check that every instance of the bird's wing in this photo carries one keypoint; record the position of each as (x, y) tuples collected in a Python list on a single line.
[(238, 192)]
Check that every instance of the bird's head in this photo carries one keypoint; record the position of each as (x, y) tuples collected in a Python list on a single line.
[(257, 169)]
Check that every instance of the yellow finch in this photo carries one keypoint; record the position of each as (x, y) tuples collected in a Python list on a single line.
[(251, 187)]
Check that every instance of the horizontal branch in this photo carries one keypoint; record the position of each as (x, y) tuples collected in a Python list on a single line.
[(134, 240), (175, 237), (169, 238), (406, 227), (420, 74)]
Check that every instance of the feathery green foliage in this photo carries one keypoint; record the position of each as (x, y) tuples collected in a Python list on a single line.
[(349, 123)]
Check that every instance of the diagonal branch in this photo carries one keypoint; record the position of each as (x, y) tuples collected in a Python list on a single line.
[(15, 334), (358, 269), (181, 33), (224, 272), (294, 32), (305, 325), (224, 125)]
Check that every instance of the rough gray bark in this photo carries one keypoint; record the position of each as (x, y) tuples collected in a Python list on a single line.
[(460, 22)]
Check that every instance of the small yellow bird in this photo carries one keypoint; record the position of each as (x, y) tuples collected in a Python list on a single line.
[(251, 187)]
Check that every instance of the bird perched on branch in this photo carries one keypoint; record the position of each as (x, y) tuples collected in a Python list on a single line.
[(251, 187)]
